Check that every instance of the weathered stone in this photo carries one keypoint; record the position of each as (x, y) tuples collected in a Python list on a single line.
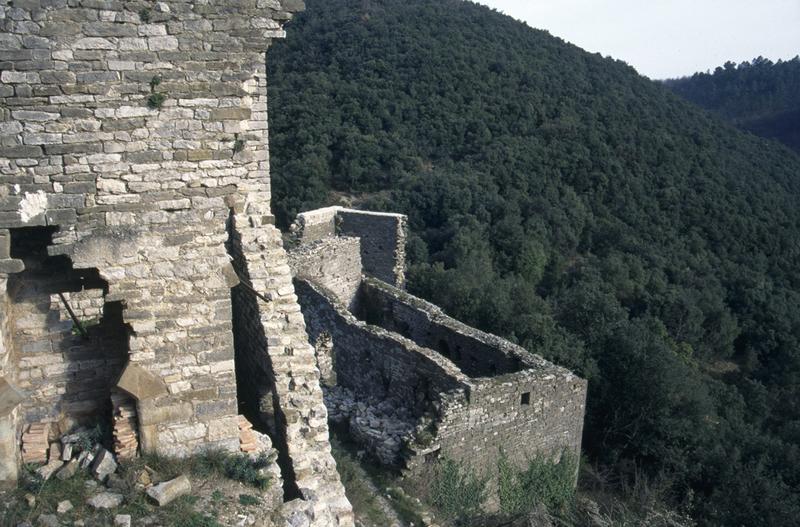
[(48, 520), (105, 500), (68, 470), (10, 396), (64, 507), (45, 471), (140, 198), (140, 383), (122, 520), (166, 492), (103, 465)]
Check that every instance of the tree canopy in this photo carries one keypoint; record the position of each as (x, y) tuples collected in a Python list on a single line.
[(559, 199), (761, 96)]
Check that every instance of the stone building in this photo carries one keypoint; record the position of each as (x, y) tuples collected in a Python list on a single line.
[(410, 383), (134, 188)]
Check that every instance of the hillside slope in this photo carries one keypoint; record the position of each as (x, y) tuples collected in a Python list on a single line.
[(761, 97), (563, 201)]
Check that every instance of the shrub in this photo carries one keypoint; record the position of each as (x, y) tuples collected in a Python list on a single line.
[(241, 468), (456, 491), (156, 100), (542, 482)]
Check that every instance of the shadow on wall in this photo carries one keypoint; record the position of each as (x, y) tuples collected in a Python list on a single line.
[(67, 373), (255, 376)]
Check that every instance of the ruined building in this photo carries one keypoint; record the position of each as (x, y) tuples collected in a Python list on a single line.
[(138, 258), (410, 383)]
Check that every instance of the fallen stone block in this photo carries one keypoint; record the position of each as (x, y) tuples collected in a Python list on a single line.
[(66, 453), (167, 491), (104, 464), (64, 507), (68, 470), (48, 520), (105, 500), (49, 469), (122, 520)]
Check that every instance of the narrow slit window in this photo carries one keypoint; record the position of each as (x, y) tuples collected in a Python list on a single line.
[(525, 400)]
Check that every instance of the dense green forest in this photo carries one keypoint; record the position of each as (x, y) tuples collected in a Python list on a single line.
[(761, 96), (561, 200)]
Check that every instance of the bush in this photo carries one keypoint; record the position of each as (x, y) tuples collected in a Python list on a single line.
[(542, 482), (241, 468), (456, 491)]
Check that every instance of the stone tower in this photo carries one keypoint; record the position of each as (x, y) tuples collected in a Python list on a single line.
[(135, 190)]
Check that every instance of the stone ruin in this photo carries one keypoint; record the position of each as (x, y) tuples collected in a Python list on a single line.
[(134, 188), (143, 282), (409, 383)]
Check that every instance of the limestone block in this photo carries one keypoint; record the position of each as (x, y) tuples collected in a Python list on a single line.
[(104, 464), (10, 396), (140, 383), (68, 470), (105, 500), (166, 492)]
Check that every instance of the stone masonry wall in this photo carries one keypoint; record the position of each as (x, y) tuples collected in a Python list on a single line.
[(476, 353), (383, 370), (520, 402), (332, 262), (297, 391), (133, 128), (382, 235)]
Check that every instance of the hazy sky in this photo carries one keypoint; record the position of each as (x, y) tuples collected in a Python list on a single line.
[(668, 38)]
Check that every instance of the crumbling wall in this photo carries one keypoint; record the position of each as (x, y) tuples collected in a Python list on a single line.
[(300, 410), (382, 236), (520, 402), (399, 380), (476, 353), (333, 262)]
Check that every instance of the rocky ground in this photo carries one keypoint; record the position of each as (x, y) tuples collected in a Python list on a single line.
[(88, 486)]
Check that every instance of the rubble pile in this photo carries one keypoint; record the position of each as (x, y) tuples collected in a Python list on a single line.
[(384, 426)]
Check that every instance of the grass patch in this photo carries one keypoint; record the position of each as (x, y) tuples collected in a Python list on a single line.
[(541, 483), (247, 499), (238, 467), (456, 492)]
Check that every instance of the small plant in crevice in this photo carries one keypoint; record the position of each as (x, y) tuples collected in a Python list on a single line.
[(247, 499), (241, 468), (155, 100), (238, 144), (155, 81), (144, 15)]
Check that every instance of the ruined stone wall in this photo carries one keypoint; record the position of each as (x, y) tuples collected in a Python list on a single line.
[(402, 382), (334, 263), (383, 242), (520, 402), (382, 235), (476, 353), (526, 406), (134, 128), (126, 124), (300, 410)]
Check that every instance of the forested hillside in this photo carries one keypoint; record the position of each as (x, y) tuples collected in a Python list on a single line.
[(563, 201), (759, 96)]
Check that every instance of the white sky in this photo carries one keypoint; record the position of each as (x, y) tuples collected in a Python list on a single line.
[(668, 38)]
